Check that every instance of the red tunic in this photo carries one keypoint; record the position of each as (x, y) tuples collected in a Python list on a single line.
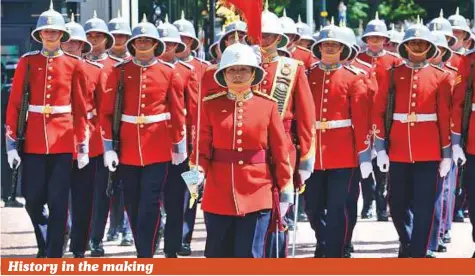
[(54, 82), (156, 89), (241, 126)]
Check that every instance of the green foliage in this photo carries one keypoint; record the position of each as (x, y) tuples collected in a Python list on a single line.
[(400, 10)]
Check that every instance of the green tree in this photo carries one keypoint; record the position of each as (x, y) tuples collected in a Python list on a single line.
[(400, 10), (357, 11)]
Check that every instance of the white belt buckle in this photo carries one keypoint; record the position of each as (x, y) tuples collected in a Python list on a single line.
[(324, 125)]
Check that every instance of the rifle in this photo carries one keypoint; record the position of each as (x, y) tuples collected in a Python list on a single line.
[(467, 111), (119, 99), (21, 129), (388, 122)]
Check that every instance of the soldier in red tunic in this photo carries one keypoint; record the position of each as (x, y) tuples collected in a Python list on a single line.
[(286, 81), (152, 130), (118, 222), (297, 52), (376, 36), (82, 185), (419, 140), (102, 41), (57, 127), (175, 189), (243, 153), (342, 141)]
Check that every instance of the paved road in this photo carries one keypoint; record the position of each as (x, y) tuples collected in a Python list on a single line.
[(371, 239)]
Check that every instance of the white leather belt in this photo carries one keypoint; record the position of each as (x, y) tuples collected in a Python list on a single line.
[(49, 109), (146, 119), (333, 124), (414, 118), (473, 107)]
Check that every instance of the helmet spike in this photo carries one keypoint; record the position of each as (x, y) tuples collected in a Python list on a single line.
[(266, 5), (457, 11), (144, 18), (182, 14), (441, 15), (118, 13), (51, 5), (392, 26), (166, 18), (300, 19), (418, 20), (236, 37), (94, 14), (402, 29), (376, 16), (285, 13), (72, 17), (332, 21), (321, 28)]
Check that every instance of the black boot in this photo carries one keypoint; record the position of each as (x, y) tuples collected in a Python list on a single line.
[(404, 251), (97, 249), (79, 255), (185, 250), (347, 251), (319, 251), (127, 240), (41, 253), (473, 256), (171, 255), (383, 216), (13, 204), (430, 254), (441, 247)]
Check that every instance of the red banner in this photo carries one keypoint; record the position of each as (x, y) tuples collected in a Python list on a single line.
[(251, 13)]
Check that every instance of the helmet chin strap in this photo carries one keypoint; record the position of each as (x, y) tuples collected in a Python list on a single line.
[(138, 51), (237, 88), (408, 49)]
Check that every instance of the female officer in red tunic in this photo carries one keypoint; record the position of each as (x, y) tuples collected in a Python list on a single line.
[(240, 132)]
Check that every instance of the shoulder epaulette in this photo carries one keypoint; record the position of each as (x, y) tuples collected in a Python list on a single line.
[(303, 48), (313, 65), (258, 93), (168, 64), (212, 67), (459, 54), (448, 65), (393, 54), (186, 64), (214, 96), (299, 62), (97, 64), (470, 52), (31, 53), (203, 61), (115, 58), (437, 67), (125, 61), (73, 56), (363, 63), (352, 69)]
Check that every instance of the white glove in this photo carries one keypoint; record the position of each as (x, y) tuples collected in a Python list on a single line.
[(111, 160), (366, 169), (178, 158), (13, 156), (444, 167), (457, 154), (382, 161), (304, 175), (284, 208), (83, 160)]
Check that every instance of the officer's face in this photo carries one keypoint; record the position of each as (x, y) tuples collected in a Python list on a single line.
[(460, 35), (50, 36), (231, 38), (305, 43), (120, 40), (375, 43), (72, 46), (270, 39), (144, 44), (187, 40), (238, 74), (171, 47), (418, 45), (96, 38), (330, 48)]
